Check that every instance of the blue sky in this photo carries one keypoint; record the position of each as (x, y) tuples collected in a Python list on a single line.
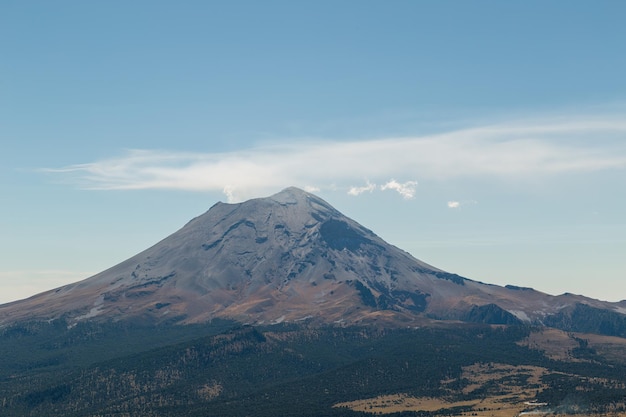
[(487, 138)]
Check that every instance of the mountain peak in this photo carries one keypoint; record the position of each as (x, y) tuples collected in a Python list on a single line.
[(291, 192), (295, 195), (291, 195), (287, 257)]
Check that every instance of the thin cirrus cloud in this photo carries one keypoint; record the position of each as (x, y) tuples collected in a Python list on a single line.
[(513, 150)]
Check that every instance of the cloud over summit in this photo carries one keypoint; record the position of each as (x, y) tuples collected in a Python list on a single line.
[(517, 150), (406, 189)]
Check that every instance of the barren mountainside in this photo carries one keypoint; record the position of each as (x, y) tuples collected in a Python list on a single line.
[(291, 257)]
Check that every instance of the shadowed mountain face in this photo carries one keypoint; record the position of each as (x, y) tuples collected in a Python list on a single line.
[(289, 257)]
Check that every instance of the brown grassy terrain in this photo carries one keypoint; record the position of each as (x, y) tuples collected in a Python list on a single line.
[(509, 392), (558, 344), (612, 348), (555, 344), (510, 382)]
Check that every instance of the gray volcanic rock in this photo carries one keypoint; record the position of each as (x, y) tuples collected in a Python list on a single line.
[(288, 257)]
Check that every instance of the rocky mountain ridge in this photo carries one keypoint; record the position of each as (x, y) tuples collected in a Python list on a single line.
[(290, 257)]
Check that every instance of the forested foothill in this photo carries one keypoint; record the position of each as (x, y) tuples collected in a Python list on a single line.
[(224, 368)]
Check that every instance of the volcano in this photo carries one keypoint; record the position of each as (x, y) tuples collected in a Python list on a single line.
[(290, 257)]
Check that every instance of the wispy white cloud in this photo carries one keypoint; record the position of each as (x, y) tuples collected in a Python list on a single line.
[(406, 190), (516, 150), (311, 189), (369, 187), (458, 204)]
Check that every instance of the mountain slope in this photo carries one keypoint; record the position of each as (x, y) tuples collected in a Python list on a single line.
[(288, 257)]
